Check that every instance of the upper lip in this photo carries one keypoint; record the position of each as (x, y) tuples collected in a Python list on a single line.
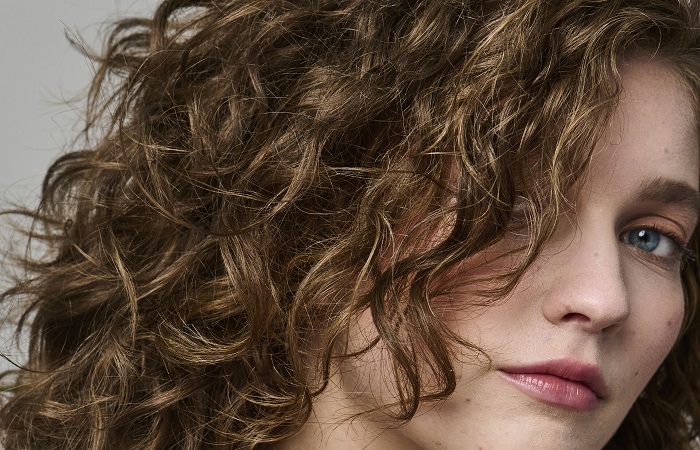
[(587, 374)]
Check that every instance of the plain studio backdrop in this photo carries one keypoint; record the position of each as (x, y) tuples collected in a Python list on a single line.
[(41, 76)]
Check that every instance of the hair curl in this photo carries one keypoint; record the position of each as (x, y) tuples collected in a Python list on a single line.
[(248, 162)]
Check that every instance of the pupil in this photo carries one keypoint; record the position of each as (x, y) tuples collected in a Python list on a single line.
[(645, 239)]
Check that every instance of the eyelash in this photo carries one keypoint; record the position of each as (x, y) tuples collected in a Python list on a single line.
[(686, 254)]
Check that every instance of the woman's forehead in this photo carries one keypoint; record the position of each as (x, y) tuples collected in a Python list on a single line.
[(653, 130)]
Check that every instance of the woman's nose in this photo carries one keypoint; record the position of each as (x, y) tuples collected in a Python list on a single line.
[(585, 284)]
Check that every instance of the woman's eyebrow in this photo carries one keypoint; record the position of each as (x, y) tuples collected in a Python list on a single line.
[(665, 190)]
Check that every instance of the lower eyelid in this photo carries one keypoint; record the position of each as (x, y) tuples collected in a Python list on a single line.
[(656, 262)]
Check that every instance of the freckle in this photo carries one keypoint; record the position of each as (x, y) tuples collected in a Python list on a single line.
[(666, 150), (636, 372), (669, 323), (467, 400)]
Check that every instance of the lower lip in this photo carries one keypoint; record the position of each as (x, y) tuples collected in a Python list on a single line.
[(554, 390)]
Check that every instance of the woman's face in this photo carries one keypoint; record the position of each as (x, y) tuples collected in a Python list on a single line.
[(583, 332)]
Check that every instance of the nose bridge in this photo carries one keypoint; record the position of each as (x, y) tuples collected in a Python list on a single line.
[(587, 284)]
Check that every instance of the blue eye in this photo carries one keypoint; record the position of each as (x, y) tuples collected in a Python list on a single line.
[(651, 241)]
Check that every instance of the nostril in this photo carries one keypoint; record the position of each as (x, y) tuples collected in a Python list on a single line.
[(575, 317)]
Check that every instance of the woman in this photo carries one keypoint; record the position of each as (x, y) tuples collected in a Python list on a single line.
[(364, 224)]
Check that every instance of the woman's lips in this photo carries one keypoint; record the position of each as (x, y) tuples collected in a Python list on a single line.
[(566, 383)]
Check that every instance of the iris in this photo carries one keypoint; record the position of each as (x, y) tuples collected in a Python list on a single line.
[(644, 239)]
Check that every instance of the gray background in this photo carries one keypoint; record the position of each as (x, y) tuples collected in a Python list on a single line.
[(40, 73)]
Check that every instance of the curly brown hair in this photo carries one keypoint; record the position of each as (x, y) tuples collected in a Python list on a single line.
[(247, 164)]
